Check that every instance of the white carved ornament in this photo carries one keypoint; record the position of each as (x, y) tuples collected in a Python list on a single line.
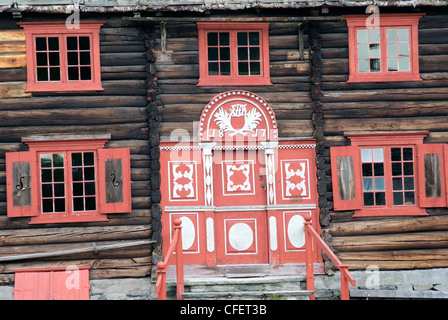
[(290, 173), (223, 119), (245, 186), (178, 186)]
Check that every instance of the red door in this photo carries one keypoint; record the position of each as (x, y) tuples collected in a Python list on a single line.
[(240, 207)]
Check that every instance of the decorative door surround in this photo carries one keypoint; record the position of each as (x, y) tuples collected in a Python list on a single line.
[(240, 191)]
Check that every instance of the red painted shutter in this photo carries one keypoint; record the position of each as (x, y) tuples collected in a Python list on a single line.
[(346, 176), (71, 284), (52, 284), (21, 184), (114, 167), (431, 175)]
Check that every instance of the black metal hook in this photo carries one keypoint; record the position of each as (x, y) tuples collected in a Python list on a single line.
[(115, 183)]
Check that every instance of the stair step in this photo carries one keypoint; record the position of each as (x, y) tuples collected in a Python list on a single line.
[(238, 280), (265, 295)]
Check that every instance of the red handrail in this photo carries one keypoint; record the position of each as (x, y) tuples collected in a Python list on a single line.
[(162, 266), (346, 276)]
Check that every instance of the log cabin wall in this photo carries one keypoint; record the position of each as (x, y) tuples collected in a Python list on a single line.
[(121, 110), (388, 242), (182, 100)]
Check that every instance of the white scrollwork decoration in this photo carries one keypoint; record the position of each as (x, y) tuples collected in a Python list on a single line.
[(223, 119), (179, 186), (290, 186)]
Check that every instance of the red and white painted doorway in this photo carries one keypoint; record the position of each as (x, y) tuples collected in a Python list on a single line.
[(241, 192)]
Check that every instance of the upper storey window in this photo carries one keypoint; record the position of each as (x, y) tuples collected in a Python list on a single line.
[(388, 52), (61, 59), (233, 54)]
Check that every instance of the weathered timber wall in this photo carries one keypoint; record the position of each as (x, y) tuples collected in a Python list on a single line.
[(182, 100), (121, 110), (388, 242)]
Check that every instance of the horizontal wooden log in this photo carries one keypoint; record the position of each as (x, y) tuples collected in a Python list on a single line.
[(392, 225), (411, 240), (12, 60), (339, 110), (396, 255), (78, 101), (12, 35), (102, 249), (13, 75), (13, 90), (395, 265), (12, 47), (62, 116), (428, 94), (118, 131), (339, 126), (72, 234), (123, 59)]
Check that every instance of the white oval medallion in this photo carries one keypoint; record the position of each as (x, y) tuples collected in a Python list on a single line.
[(188, 233), (241, 236), (296, 231)]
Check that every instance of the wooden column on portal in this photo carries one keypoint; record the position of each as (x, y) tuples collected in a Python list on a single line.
[(209, 213), (272, 215)]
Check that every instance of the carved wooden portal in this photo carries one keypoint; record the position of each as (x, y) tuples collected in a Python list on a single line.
[(241, 192)]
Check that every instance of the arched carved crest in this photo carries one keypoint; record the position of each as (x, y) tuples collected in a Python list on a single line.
[(237, 116)]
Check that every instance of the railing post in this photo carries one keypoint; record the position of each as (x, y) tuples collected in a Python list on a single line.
[(179, 260), (161, 281), (345, 293), (309, 259)]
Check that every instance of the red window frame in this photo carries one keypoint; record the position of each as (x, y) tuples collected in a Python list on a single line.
[(385, 142), (205, 79), (59, 30), (409, 22), (111, 195)]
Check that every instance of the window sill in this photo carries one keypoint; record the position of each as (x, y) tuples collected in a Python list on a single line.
[(63, 87), (214, 82), (68, 218), (384, 78), (389, 212)]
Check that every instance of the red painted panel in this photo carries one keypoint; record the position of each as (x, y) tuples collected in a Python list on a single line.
[(241, 237), (71, 283), (239, 178)]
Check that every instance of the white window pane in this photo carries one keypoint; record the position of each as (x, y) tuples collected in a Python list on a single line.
[(363, 36), (363, 65), (403, 49), (391, 35), (378, 155), (392, 50), (374, 36), (363, 50), (403, 35), (392, 64), (404, 64), (366, 155)]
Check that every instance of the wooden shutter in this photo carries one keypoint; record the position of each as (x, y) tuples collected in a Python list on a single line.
[(346, 178), (71, 283), (114, 180), (431, 175), (21, 184)]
